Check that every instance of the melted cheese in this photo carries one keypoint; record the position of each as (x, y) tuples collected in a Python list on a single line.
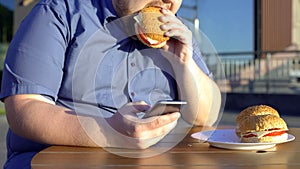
[(260, 134), (152, 41)]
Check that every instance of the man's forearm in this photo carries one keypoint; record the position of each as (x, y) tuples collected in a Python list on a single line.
[(201, 93), (41, 121)]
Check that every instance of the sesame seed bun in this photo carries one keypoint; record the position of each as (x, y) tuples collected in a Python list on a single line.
[(148, 27), (255, 111)]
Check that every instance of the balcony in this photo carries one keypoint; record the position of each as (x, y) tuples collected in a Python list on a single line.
[(272, 78), (272, 72)]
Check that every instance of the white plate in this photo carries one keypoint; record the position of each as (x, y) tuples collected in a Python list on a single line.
[(226, 138)]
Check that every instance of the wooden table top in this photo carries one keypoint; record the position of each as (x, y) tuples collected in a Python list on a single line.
[(188, 154)]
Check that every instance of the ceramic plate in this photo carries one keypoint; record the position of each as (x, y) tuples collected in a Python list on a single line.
[(226, 138)]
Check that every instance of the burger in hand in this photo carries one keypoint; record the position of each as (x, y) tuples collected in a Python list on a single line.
[(147, 27), (259, 124)]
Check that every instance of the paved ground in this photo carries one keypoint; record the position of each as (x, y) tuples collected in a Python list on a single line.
[(227, 119)]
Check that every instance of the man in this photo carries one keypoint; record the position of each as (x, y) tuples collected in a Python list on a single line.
[(69, 60)]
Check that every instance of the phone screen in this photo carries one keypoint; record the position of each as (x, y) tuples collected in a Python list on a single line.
[(164, 107)]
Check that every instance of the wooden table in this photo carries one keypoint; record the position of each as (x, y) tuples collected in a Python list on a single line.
[(188, 154)]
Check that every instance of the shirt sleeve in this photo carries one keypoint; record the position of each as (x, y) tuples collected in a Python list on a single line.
[(35, 58), (199, 59)]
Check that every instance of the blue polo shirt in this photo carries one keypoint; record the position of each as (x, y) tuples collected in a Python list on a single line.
[(78, 53)]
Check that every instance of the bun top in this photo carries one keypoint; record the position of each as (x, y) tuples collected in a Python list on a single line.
[(256, 111), (151, 25), (262, 123)]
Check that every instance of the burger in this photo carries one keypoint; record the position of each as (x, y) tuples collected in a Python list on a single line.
[(147, 27), (254, 111), (261, 124)]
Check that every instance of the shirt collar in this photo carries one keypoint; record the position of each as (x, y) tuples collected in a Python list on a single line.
[(108, 10)]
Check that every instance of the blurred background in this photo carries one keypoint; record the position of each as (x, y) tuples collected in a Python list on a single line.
[(257, 43)]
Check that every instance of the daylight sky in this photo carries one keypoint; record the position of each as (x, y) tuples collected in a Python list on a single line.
[(227, 23), (8, 3)]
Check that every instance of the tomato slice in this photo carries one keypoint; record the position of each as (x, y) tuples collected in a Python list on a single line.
[(143, 37), (275, 133)]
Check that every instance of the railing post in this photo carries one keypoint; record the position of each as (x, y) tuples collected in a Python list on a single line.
[(268, 60)]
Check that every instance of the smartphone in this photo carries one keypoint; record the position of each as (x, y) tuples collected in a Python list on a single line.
[(164, 107)]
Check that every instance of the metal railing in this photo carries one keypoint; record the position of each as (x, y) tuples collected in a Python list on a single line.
[(266, 71)]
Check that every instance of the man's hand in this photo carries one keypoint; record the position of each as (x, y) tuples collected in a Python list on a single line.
[(180, 44), (133, 132)]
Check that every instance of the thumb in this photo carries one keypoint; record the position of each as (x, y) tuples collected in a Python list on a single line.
[(133, 108)]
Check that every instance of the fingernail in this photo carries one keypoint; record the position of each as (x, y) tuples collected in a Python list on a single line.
[(146, 108), (168, 34), (163, 10), (177, 115), (163, 27)]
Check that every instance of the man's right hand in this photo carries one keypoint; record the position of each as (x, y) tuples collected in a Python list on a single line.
[(133, 132)]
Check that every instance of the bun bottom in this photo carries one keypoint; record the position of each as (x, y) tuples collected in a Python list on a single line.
[(238, 131), (266, 139)]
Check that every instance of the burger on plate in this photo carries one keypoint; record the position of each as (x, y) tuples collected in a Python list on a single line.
[(147, 27), (260, 124), (254, 111)]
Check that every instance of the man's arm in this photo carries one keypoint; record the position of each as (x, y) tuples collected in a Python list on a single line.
[(194, 86), (36, 118), (201, 93)]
